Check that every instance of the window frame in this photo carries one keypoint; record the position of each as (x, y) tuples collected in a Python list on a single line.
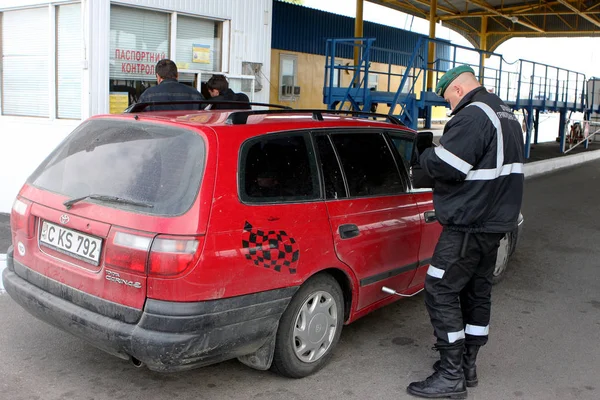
[(373, 81), (52, 57), (221, 39), (282, 58), (402, 173), (313, 166), (50, 112), (56, 67), (409, 137), (325, 133)]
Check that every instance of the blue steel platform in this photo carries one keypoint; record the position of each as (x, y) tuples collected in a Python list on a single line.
[(523, 85)]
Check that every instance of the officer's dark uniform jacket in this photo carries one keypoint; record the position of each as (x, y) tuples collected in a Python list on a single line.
[(171, 90), (478, 167)]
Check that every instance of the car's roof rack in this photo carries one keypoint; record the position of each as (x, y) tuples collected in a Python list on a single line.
[(240, 117), (141, 107)]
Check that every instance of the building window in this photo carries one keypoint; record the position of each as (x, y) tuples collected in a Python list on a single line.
[(68, 61), (138, 40), (37, 81), (25, 64), (334, 74), (372, 81), (252, 69), (288, 77), (198, 44)]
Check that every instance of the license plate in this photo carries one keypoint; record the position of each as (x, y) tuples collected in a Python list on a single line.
[(67, 241)]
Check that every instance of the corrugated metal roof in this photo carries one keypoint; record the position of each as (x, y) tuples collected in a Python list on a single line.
[(318, 26), (509, 18)]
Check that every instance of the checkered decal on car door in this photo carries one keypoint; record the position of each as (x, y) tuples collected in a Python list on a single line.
[(270, 249)]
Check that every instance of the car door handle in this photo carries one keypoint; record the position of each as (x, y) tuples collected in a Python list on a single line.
[(348, 231), (430, 217)]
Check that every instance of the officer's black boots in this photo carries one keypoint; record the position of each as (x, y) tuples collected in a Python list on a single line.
[(448, 381), (469, 367)]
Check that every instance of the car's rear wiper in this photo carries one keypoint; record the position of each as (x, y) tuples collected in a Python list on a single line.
[(101, 197)]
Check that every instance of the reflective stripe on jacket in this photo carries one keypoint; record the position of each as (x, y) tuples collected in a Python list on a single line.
[(478, 167)]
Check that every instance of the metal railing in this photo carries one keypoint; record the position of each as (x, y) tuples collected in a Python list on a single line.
[(522, 83)]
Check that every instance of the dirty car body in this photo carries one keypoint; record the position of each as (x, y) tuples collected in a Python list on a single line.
[(183, 238)]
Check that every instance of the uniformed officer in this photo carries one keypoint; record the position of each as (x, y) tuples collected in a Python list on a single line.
[(478, 187)]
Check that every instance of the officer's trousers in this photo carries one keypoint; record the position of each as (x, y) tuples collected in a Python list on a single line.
[(458, 287)]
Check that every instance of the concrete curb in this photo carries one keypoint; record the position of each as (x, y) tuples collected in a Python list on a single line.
[(553, 164)]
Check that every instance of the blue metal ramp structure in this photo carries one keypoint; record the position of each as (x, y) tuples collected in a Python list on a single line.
[(408, 79)]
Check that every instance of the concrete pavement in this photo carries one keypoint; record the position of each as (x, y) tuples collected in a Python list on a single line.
[(543, 333)]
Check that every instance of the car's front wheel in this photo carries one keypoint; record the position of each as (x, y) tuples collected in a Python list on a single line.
[(502, 258), (310, 328)]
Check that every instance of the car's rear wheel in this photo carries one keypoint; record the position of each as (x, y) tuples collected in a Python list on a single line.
[(309, 328), (502, 258)]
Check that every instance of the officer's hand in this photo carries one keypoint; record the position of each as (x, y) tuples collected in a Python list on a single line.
[(424, 141)]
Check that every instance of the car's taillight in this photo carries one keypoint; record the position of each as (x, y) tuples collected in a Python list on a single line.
[(127, 250), (172, 255), (20, 217)]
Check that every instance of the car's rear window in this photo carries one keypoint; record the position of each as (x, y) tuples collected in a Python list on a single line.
[(154, 164)]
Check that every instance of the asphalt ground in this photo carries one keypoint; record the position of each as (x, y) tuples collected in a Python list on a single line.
[(4, 232), (543, 334)]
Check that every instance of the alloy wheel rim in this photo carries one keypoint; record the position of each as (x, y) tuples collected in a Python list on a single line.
[(315, 327)]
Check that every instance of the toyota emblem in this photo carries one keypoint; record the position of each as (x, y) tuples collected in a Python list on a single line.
[(64, 219)]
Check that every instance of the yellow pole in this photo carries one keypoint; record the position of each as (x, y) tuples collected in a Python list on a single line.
[(358, 32), (482, 46), (431, 58)]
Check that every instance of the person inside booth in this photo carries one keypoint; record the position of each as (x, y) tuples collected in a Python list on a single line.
[(170, 89), (218, 87)]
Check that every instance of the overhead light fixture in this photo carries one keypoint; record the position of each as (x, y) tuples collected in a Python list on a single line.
[(514, 19)]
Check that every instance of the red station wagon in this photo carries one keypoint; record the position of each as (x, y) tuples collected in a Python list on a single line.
[(179, 239)]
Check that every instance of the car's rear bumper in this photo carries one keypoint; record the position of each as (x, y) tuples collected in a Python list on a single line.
[(167, 336)]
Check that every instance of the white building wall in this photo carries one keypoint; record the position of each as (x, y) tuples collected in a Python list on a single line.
[(26, 141)]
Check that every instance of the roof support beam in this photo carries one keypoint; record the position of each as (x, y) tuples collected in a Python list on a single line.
[(358, 32), (482, 46), (438, 8), (513, 19), (431, 50), (559, 16), (519, 14), (592, 7), (565, 34), (579, 12)]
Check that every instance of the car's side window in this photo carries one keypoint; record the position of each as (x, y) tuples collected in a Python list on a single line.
[(404, 146), (332, 174), (278, 168), (368, 164)]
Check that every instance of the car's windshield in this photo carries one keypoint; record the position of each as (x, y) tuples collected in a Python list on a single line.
[(152, 164)]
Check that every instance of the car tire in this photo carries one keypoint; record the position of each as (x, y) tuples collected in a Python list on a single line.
[(310, 328), (502, 258)]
